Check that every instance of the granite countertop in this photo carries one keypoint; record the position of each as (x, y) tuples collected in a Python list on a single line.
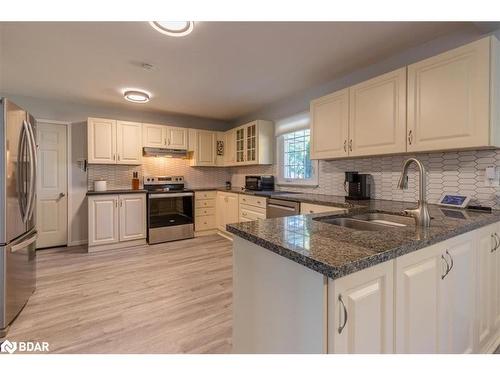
[(337, 251), (118, 191)]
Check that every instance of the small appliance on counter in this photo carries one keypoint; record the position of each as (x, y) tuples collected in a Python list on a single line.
[(228, 185), (259, 183), (357, 185), (100, 185)]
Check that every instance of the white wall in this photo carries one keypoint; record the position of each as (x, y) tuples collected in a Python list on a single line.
[(78, 112)]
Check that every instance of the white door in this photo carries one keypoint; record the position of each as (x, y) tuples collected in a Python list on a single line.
[(360, 312), (177, 138), (456, 300), (232, 209), (205, 148), (132, 217), (101, 141), (377, 115), (128, 142), (417, 279), (486, 244), (448, 99), (330, 125), (154, 135), (103, 219), (52, 185)]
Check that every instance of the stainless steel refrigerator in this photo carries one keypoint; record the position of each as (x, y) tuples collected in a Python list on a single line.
[(17, 210)]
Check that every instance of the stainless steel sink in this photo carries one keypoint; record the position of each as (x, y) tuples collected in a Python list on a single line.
[(387, 219), (369, 222)]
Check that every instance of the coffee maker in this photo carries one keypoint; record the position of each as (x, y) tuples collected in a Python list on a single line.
[(357, 186)]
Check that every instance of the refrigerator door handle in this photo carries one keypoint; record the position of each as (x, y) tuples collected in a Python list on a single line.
[(32, 151), (34, 169), (20, 172), (24, 244)]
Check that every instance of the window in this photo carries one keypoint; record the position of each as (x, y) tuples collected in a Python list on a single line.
[(294, 165)]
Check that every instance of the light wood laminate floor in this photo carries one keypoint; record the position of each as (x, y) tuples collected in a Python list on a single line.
[(168, 298)]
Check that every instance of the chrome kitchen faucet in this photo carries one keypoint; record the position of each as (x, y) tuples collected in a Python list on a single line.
[(421, 212)]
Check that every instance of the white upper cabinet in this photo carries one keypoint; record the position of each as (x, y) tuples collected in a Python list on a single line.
[(254, 143), (101, 141), (128, 142), (161, 136), (202, 145), (360, 312), (377, 115), (449, 104), (230, 147), (154, 135), (114, 142), (330, 125), (177, 138), (449, 101)]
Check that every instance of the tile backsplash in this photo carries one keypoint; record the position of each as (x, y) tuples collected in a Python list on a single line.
[(448, 172), (120, 176)]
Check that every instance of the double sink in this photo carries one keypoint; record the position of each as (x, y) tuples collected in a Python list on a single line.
[(370, 221)]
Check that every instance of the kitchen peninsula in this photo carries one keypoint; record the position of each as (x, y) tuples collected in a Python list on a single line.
[(317, 284)]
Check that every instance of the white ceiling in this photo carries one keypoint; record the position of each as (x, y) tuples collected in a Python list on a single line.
[(223, 70)]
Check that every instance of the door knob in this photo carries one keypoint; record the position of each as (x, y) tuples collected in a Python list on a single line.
[(61, 195)]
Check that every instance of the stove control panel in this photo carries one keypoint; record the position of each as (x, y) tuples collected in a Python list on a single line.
[(162, 180)]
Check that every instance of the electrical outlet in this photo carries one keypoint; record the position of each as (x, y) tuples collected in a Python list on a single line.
[(492, 176)]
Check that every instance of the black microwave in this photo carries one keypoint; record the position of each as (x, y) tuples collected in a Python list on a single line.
[(259, 182)]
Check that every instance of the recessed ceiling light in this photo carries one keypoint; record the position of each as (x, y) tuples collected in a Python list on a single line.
[(136, 96), (173, 28)]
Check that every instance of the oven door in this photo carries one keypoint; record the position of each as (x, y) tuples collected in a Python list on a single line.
[(170, 217)]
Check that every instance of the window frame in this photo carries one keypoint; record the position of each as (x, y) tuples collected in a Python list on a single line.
[(281, 180)]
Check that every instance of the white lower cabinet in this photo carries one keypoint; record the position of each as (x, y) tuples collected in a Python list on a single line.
[(227, 209), (103, 220), (132, 217), (435, 298), (114, 219), (360, 311)]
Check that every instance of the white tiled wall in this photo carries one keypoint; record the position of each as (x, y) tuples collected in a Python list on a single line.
[(449, 172), (120, 177)]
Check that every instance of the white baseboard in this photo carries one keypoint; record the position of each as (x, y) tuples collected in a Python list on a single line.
[(77, 243)]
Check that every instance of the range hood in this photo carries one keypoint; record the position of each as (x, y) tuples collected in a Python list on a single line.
[(165, 152)]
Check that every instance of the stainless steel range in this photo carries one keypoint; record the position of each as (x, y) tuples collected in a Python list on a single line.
[(170, 209)]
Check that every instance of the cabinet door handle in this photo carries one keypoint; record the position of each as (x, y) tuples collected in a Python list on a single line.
[(447, 267), (118, 157), (342, 326), (121, 202), (114, 156), (165, 141), (410, 137), (451, 259), (350, 145), (494, 237), (345, 145), (116, 203)]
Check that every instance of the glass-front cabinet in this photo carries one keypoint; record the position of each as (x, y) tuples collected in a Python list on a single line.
[(252, 144), (240, 145), (251, 141)]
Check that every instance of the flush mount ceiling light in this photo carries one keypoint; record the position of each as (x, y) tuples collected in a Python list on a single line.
[(173, 28), (136, 96)]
